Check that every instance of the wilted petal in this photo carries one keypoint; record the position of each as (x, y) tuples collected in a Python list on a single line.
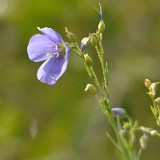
[(51, 70), (39, 48), (51, 34)]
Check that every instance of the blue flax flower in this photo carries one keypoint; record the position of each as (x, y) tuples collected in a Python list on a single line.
[(49, 47)]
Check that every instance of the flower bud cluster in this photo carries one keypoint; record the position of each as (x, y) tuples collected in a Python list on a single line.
[(155, 108), (149, 131), (145, 137), (151, 87), (93, 38)]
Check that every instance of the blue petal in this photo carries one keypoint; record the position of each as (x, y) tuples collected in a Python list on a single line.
[(51, 34), (39, 48), (51, 70)]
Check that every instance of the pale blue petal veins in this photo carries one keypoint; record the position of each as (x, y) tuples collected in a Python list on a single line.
[(39, 48), (52, 69), (51, 34)]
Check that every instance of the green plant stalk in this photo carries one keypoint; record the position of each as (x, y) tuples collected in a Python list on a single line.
[(104, 103), (100, 53), (126, 149), (139, 153), (89, 69)]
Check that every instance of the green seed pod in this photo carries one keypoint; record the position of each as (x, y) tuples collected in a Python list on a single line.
[(94, 41), (101, 26), (88, 60)]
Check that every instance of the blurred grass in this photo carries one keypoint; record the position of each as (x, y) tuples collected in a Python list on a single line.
[(68, 123)]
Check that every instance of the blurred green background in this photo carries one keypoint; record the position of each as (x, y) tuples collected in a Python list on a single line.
[(62, 122)]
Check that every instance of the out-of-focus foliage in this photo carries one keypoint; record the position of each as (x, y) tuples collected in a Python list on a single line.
[(40, 122)]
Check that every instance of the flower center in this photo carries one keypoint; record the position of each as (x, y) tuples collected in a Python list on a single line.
[(61, 49), (57, 49)]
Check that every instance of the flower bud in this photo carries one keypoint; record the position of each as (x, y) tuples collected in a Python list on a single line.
[(88, 60), (152, 89), (91, 88), (94, 40), (101, 26), (157, 102), (118, 111), (154, 133), (144, 141), (84, 43), (147, 83)]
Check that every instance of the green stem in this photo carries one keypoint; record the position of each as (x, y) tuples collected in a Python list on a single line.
[(96, 81), (115, 144), (139, 153), (100, 53), (126, 151), (104, 99), (89, 69)]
